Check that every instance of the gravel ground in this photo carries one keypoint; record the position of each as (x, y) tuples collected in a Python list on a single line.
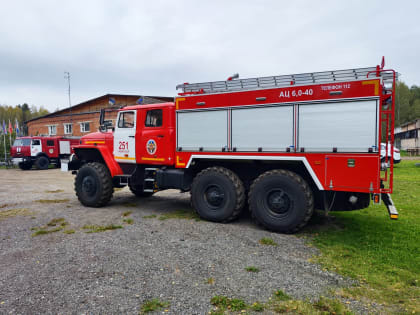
[(117, 270)]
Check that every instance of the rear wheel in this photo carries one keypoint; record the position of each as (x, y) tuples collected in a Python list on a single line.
[(42, 163), (281, 201), (93, 185), (138, 191), (217, 194)]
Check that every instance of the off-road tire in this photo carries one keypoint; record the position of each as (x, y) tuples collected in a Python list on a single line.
[(93, 185), (42, 163), (138, 191), (289, 213), (25, 166), (222, 186)]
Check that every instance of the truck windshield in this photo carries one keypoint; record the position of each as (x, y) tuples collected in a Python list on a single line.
[(21, 142)]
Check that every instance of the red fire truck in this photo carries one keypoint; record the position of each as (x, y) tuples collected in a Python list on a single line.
[(41, 151), (282, 145)]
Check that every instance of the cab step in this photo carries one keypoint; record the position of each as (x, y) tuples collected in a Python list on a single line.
[(149, 181), (123, 179)]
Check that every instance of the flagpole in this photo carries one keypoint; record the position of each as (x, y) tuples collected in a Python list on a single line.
[(4, 137)]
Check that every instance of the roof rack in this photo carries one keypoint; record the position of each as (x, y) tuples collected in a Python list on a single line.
[(281, 81)]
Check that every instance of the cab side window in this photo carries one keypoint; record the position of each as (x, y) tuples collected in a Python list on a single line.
[(126, 120), (36, 142), (154, 118), (50, 143)]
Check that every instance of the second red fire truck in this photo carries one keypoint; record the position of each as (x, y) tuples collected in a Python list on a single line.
[(279, 145), (40, 151)]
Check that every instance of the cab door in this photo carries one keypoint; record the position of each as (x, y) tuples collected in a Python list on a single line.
[(125, 137), (36, 147), (157, 141)]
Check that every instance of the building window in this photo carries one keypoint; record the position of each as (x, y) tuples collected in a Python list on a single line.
[(52, 130), (84, 127), (68, 129), (154, 118)]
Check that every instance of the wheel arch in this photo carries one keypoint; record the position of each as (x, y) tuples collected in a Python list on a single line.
[(42, 154), (101, 155), (297, 164)]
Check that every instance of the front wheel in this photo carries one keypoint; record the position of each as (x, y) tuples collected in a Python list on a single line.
[(25, 166), (281, 201), (93, 185), (217, 194)]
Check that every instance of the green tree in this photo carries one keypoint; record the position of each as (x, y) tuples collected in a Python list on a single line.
[(407, 103)]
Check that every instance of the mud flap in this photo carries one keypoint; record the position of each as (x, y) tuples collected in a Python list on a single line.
[(393, 213)]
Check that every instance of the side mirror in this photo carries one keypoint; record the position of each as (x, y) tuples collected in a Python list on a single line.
[(102, 117), (104, 125)]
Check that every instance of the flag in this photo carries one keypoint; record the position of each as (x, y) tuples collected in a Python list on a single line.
[(111, 101), (16, 126), (4, 128), (139, 100), (10, 127)]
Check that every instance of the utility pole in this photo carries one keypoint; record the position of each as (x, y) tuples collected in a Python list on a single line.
[(67, 76)]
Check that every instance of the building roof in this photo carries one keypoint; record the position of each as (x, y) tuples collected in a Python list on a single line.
[(58, 112), (410, 122)]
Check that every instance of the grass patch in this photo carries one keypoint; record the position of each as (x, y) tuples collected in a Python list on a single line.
[(225, 303), (257, 307), (152, 216), (321, 307), (280, 302), (153, 305), (42, 232), (252, 269), (59, 221), (180, 214), (55, 225), (6, 214), (52, 200), (100, 228), (127, 213), (210, 281), (381, 253), (128, 221), (3, 205), (130, 205), (54, 191), (267, 241), (279, 295), (69, 231)]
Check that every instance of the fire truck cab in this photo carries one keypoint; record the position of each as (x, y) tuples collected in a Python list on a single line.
[(145, 134), (281, 145)]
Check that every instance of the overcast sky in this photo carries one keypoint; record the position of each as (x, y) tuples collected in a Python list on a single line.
[(148, 47)]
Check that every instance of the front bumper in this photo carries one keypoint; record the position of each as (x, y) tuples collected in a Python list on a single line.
[(16, 161)]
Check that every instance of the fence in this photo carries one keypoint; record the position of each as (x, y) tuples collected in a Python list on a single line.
[(7, 163)]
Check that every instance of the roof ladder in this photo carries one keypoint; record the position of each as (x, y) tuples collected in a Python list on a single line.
[(281, 81)]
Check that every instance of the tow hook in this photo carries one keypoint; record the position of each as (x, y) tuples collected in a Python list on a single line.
[(393, 213)]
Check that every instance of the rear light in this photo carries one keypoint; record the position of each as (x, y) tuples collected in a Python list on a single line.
[(396, 150), (376, 199)]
